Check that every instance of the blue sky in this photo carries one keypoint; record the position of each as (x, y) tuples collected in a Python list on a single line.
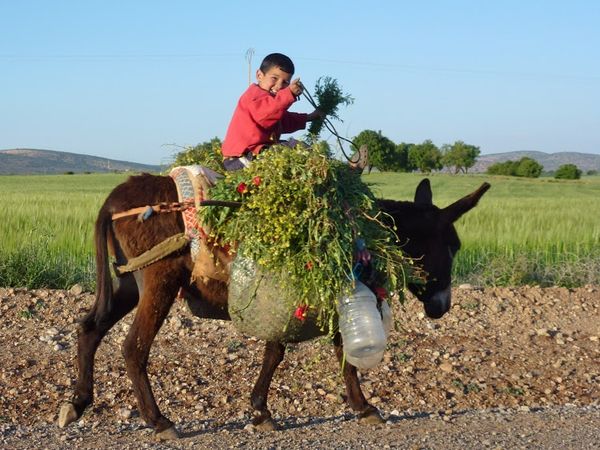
[(138, 80)]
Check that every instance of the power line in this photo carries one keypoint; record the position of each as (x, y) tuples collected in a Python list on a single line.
[(468, 70), (121, 56)]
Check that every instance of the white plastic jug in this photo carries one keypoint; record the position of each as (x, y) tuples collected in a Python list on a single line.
[(361, 327)]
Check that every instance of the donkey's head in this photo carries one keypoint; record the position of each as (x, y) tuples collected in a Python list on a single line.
[(428, 235)]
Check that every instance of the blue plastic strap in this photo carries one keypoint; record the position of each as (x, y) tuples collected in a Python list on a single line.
[(149, 211)]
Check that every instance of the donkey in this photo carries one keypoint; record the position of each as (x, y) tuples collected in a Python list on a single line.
[(428, 231)]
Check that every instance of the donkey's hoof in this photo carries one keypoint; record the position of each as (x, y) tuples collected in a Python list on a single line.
[(370, 417), (266, 425), (167, 435), (67, 414)]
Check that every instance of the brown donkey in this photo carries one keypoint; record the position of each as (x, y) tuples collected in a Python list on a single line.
[(428, 230)]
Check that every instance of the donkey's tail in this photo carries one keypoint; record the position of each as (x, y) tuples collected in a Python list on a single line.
[(104, 290)]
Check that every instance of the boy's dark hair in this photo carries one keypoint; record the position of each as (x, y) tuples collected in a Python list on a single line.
[(277, 60)]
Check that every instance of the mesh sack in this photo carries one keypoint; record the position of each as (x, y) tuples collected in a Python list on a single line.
[(260, 305)]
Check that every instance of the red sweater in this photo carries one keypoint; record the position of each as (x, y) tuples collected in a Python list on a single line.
[(259, 119)]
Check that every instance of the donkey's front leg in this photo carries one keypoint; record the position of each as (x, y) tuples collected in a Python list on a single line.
[(274, 352), (366, 413)]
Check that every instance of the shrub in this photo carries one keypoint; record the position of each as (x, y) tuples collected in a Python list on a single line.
[(568, 172), (525, 167)]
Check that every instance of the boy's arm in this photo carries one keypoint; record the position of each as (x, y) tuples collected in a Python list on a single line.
[(267, 110), (291, 122)]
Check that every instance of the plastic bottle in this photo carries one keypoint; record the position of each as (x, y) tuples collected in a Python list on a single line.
[(386, 317), (388, 324), (362, 329)]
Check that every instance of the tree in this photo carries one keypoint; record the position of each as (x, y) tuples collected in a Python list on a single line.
[(568, 172), (381, 149), (529, 168), (425, 156), (459, 155), (400, 161)]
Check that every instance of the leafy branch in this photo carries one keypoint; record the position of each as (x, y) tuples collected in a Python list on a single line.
[(329, 96)]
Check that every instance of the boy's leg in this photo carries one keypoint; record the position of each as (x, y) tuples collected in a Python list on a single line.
[(233, 164)]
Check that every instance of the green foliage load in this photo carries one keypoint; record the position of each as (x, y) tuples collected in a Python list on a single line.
[(328, 97), (301, 215), (525, 167), (568, 172), (207, 154)]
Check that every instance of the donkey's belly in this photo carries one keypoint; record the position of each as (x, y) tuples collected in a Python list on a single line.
[(203, 309), (297, 332)]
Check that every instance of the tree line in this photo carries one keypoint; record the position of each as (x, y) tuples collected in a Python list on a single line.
[(387, 156)]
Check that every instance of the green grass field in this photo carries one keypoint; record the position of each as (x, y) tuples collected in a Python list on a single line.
[(524, 231), (48, 226)]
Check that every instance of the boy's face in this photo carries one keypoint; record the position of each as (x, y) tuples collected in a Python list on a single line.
[(273, 80)]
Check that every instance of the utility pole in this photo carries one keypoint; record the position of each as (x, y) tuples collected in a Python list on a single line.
[(249, 55)]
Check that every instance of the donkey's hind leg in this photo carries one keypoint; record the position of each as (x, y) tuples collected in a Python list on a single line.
[(89, 336), (161, 281), (366, 413), (274, 352)]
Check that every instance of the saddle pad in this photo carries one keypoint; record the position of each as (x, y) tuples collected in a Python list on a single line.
[(193, 184)]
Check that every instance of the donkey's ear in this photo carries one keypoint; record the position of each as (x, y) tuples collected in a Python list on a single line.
[(452, 212), (423, 193)]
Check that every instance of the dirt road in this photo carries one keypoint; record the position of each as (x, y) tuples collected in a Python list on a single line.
[(506, 368)]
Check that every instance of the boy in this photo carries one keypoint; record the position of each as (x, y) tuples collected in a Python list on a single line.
[(262, 115)]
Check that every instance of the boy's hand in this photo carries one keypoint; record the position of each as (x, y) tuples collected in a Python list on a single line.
[(316, 114), (296, 87)]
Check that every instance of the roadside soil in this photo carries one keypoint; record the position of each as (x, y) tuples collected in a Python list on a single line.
[(506, 368)]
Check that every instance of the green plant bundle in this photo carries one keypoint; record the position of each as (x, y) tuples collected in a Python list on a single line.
[(328, 96), (207, 154), (302, 214)]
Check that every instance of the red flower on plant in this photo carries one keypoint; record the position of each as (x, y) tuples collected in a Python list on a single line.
[(380, 293), (256, 181), (300, 312), (308, 265), (242, 188)]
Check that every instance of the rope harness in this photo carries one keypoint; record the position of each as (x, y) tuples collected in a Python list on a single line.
[(144, 212), (191, 191)]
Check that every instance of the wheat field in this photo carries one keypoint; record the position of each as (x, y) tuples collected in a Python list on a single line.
[(524, 231)]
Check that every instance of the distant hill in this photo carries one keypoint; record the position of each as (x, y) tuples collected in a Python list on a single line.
[(550, 161), (22, 161)]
